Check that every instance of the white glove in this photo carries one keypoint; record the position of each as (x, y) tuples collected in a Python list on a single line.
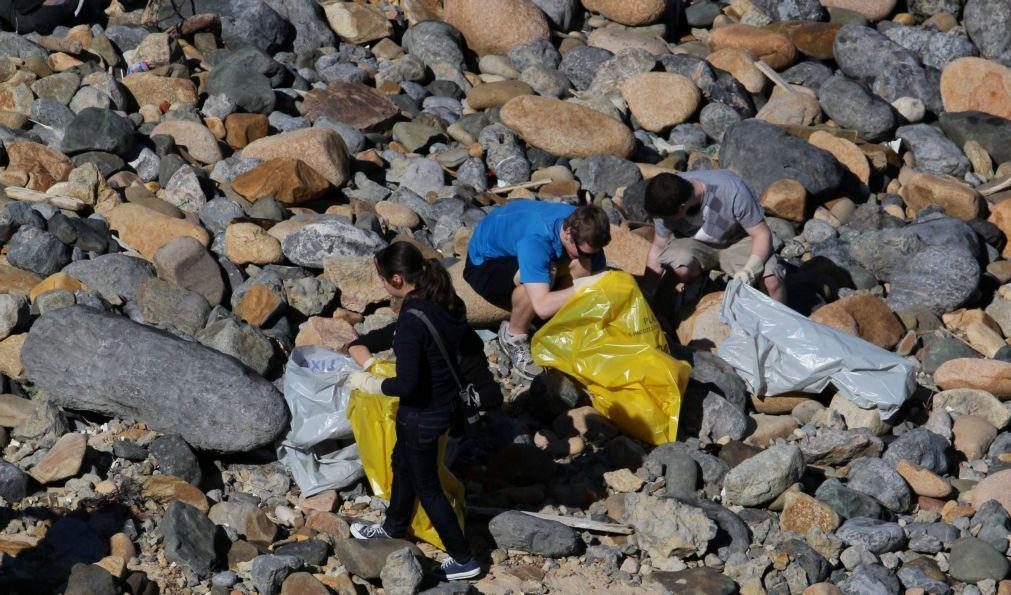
[(745, 276), (751, 270), (368, 363), (366, 383)]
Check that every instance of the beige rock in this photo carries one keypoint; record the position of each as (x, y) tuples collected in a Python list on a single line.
[(622, 481), (15, 410), (773, 48), (627, 250), (357, 23), (802, 512), (63, 460), (114, 565), (863, 315), (786, 199), (328, 523), (359, 284), (397, 215), (769, 428), (324, 501), (845, 152), (1000, 215), (984, 339), (156, 49), (586, 422), (923, 481), (566, 129), (992, 376), (958, 199), (146, 230), (258, 305), (822, 589), (977, 84), (857, 417), (248, 243), (703, 328), (290, 181), (15, 280), (972, 436), (779, 404), (480, 313), (331, 333), (246, 519), (196, 138), (10, 356), (494, 26), (303, 583), (151, 89), (320, 148), (970, 401), (614, 39), (496, 94), (799, 108), (628, 12), (874, 10), (981, 162), (659, 100), (741, 64), (16, 98), (35, 166), (996, 486), (121, 546)]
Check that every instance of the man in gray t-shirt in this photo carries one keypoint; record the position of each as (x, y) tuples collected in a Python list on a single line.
[(707, 219)]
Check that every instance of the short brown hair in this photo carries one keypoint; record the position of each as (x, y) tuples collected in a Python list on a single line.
[(589, 225), (666, 194)]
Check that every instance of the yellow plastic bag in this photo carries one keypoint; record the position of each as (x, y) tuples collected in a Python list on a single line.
[(606, 337), (373, 421)]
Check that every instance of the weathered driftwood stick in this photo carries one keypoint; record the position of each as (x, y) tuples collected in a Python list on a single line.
[(60, 202), (588, 525)]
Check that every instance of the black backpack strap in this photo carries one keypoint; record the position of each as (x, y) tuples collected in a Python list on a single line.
[(442, 347)]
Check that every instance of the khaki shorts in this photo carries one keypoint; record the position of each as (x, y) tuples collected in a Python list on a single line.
[(696, 255)]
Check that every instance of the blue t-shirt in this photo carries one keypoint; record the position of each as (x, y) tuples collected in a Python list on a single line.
[(528, 230)]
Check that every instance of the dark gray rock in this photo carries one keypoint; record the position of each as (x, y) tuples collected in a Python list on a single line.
[(720, 418), (793, 10), (928, 8), (870, 578), (851, 105), (504, 154), (670, 455), (784, 156), (166, 305), (702, 13), (38, 251), (474, 173), (816, 567), (366, 557), (176, 458), (268, 572), (846, 502), (915, 578), (15, 215), (254, 22), (96, 129), (16, 46), (973, 560), (52, 113), (994, 525), (941, 346), (250, 91), (208, 398), (988, 23), (581, 63), (311, 552), (130, 451), (940, 278), (402, 574), (715, 118), (535, 53), (126, 37), (876, 535), (604, 174), (90, 579), (311, 244), (935, 49), (695, 581), (188, 537), (988, 130), (808, 74), (561, 13), (515, 530), (764, 476), (838, 447), (435, 42), (879, 479), (681, 477), (13, 482), (922, 447), (715, 84), (933, 151), (311, 29), (112, 275)]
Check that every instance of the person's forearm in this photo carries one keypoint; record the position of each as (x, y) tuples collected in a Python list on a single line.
[(548, 304), (360, 354), (653, 260), (761, 246)]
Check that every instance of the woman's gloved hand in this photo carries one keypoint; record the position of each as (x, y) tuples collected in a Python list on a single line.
[(365, 382)]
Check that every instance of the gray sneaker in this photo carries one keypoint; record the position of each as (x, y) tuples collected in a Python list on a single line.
[(517, 347)]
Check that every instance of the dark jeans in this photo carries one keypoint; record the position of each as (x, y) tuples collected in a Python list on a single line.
[(416, 477)]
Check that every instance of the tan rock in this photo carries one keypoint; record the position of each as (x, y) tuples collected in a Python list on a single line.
[(303, 583), (114, 565), (923, 481), (977, 84), (659, 100), (258, 305), (359, 284), (480, 313), (38, 165), (121, 546), (584, 421), (246, 519), (248, 243), (242, 129), (984, 339), (397, 215), (857, 417), (802, 512), (566, 129), (874, 10), (16, 98), (778, 404), (164, 489), (10, 356), (773, 48), (150, 89), (15, 280), (281, 229), (622, 481), (769, 428), (324, 501), (972, 436), (811, 38), (320, 148), (328, 523), (863, 315), (199, 142), (703, 329), (1000, 215), (786, 199), (741, 64), (357, 23), (628, 12), (331, 333), (615, 39), (496, 94), (15, 410), (290, 181), (993, 487), (56, 281), (992, 376), (822, 589), (845, 152), (494, 26), (349, 102), (797, 108), (156, 49), (146, 230), (958, 199), (627, 250), (63, 460), (970, 401)]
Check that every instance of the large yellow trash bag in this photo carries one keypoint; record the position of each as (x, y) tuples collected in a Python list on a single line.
[(373, 421), (606, 337)]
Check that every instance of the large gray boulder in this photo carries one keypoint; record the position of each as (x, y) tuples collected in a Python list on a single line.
[(94, 361)]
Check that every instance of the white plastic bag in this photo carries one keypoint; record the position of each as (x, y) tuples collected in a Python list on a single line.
[(776, 350), (319, 450)]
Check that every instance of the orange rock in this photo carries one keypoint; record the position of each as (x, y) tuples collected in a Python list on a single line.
[(773, 48), (56, 281), (242, 129), (359, 283), (258, 305), (659, 100), (786, 199), (321, 149), (993, 376), (10, 356), (977, 84), (63, 460), (494, 26), (703, 328), (40, 166), (627, 250), (480, 313), (957, 199), (923, 481), (331, 333), (972, 436), (146, 230), (566, 129), (741, 64), (802, 512), (779, 404), (1000, 215), (628, 12), (329, 523), (864, 315), (163, 489), (151, 89), (953, 510), (15, 280), (845, 152), (290, 181), (248, 243)]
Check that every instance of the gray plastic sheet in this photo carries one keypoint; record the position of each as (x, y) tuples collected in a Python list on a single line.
[(319, 450), (776, 350)]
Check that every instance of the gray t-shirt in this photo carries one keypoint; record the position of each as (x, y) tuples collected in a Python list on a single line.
[(728, 208)]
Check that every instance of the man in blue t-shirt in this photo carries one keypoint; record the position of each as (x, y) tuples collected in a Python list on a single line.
[(514, 256)]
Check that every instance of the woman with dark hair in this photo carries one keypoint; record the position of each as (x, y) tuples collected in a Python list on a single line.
[(429, 396)]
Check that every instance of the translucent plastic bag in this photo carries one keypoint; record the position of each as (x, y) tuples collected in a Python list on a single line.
[(373, 420), (606, 337)]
